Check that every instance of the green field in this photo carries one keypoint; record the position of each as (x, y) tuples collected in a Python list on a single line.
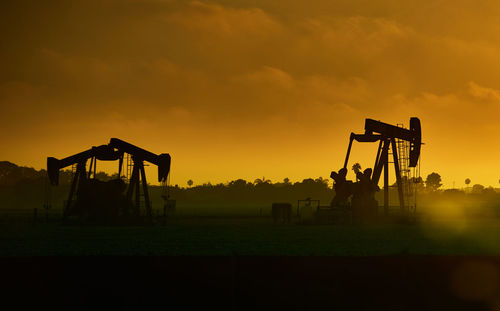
[(250, 235)]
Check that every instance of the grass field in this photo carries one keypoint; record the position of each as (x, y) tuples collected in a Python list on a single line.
[(250, 235), (245, 262)]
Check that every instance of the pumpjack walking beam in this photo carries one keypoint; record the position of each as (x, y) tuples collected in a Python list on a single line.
[(387, 134), (162, 160), (115, 150), (112, 151)]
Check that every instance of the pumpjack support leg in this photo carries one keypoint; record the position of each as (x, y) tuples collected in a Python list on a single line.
[(145, 191)]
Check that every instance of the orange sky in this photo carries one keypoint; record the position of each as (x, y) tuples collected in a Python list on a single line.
[(245, 89)]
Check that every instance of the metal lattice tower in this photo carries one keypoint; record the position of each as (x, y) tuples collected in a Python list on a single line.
[(129, 165), (408, 175)]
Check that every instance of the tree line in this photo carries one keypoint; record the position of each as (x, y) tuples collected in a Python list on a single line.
[(24, 186)]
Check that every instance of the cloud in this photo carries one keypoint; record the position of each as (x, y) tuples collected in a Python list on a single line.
[(216, 20), (483, 93), (365, 35), (82, 71), (267, 76)]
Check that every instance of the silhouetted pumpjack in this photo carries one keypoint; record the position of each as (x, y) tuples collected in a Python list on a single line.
[(387, 134), (92, 194)]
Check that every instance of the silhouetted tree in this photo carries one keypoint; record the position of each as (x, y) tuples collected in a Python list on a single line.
[(433, 181), (489, 191), (286, 181), (477, 188), (237, 183), (262, 180), (190, 182), (356, 167), (104, 176), (321, 180)]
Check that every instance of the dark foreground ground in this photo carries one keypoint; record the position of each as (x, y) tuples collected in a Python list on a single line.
[(251, 264), (256, 236), (252, 283)]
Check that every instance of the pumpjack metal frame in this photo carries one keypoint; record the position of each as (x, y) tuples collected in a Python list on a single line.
[(115, 150), (386, 135)]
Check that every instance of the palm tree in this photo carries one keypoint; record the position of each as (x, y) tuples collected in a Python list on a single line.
[(262, 180), (356, 168)]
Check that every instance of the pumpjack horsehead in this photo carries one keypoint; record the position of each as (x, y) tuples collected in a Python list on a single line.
[(387, 136)]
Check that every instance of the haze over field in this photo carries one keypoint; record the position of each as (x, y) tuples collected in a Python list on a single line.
[(242, 89)]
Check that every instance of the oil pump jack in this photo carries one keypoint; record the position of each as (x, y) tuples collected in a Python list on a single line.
[(397, 139), (92, 194)]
